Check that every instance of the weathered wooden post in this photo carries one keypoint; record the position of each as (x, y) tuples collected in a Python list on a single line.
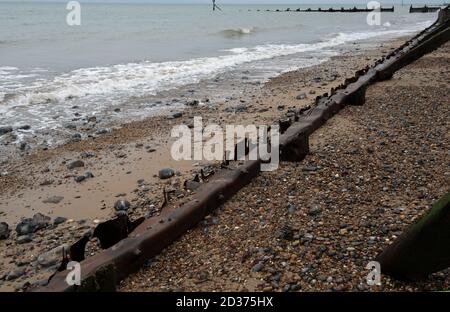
[(423, 249)]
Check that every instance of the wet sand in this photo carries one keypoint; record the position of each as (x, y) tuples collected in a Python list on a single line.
[(125, 165)]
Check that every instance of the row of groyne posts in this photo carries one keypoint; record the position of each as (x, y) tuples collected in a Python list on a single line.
[(127, 245), (424, 9)]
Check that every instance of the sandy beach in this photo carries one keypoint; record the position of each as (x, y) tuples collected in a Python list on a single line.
[(366, 168)]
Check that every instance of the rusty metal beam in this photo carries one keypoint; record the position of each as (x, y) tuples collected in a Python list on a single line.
[(155, 234)]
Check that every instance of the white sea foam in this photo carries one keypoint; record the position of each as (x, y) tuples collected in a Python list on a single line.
[(237, 32)]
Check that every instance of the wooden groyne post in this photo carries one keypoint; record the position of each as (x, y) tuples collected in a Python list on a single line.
[(424, 9), (423, 249)]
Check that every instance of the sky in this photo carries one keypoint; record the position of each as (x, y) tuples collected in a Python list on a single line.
[(386, 2)]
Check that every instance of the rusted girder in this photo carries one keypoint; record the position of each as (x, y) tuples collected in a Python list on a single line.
[(154, 234)]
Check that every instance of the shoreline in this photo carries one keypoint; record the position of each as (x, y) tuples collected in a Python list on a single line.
[(122, 149)]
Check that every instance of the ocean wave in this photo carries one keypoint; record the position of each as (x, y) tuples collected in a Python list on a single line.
[(237, 32)]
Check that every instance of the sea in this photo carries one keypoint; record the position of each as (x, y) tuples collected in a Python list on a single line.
[(127, 61)]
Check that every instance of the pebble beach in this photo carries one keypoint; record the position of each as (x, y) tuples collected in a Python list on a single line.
[(371, 172)]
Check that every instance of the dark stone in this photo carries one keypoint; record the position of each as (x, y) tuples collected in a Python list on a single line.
[(121, 205), (23, 239), (80, 179), (40, 221), (15, 274), (295, 287), (75, 164), (76, 136), (87, 155), (23, 146), (301, 96), (59, 220), (322, 278), (70, 126), (31, 225), (314, 211), (4, 230), (24, 127), (88, 175), (177, 114), (5, 129), (166, 173), (102, 131), (291, 208), (53, 200), (193, 103), (310, 168), (285, 232), (46, 182), (53, 256), (258, 267), (192, 185), (241, 108)]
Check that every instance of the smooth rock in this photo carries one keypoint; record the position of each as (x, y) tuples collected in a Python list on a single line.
[(31, 225), (23, 239), (301, 96), (75, 164), (177, 114), (52, 257), (15, 274), (192, 185), (121, 205), (5, 129), (53, 200), (79, 179), (166, 173), (258, 267), (4, 230), (59, 220), (24, 127)]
